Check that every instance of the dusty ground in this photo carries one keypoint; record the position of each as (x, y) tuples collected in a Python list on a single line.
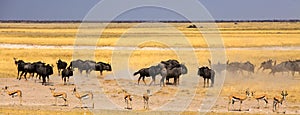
[(38, 98)]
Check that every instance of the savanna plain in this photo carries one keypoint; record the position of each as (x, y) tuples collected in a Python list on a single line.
[(143, 45)]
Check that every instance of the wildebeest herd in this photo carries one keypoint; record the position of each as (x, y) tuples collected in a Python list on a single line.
[(166, 69), (44, 70)]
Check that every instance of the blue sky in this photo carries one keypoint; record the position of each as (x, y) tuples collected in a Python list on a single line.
[(219, 9)]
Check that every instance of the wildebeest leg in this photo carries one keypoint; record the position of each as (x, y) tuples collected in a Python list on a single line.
[(207, 82), (44, 80), (162, 80), (47, 78), (293, 73), (64, 80), (144, 80), (204, 82), (25, 76), (175, 80), (212, 80), (178, 80), (32, 75), (58, 72), (87, 73), (18, 74), (139, 80), (153, 80), (167, 80), (101, 73), (80, 71)]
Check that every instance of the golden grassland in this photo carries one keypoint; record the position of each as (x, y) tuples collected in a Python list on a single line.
[(255, 34)]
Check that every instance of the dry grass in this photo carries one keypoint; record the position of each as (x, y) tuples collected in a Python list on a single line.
[(234, 35)]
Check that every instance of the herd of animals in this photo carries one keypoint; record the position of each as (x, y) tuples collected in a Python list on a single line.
[(166, 69)]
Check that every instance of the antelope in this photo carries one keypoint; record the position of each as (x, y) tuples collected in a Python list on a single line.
[(278, 99), (14, 93), (238, 98), (260, 97), (83, 96), (62, 95), (128, 100), (146, 99)]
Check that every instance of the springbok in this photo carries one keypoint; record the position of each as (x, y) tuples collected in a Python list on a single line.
[(238, 98), (83, 96), (62, 95), (278, 99), (260, 97), (14, 93), (128, 100), (146, 99)]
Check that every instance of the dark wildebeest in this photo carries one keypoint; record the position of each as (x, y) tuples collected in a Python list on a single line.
[(171, 63), (218, 67), (36, 66), (61, 65), (282, 67), (45, 71), (175, 72), (266, 65), (100, 66), (66, 73), (20, 67), (29, 68), (296, 67), (233, 67), (247, 66), (147, 72), (207, 73), (88, 66), (76, 64)]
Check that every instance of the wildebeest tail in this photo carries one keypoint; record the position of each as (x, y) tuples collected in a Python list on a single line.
[(134, 74)]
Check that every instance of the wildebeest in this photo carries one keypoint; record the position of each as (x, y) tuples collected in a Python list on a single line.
[(101, 66), (147, 72), (219, 67), (266, 65), (207, 73), (66, 73), (61, 65), (89, 65), (167, 72), (20, 67), (282, 67), (36, 66), (234, 67), (171, 63), (247, 66), (76, 64), (192, 26), (296, 66), (45, 71)]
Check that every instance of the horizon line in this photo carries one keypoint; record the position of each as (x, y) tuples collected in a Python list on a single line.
[(133, 21)]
